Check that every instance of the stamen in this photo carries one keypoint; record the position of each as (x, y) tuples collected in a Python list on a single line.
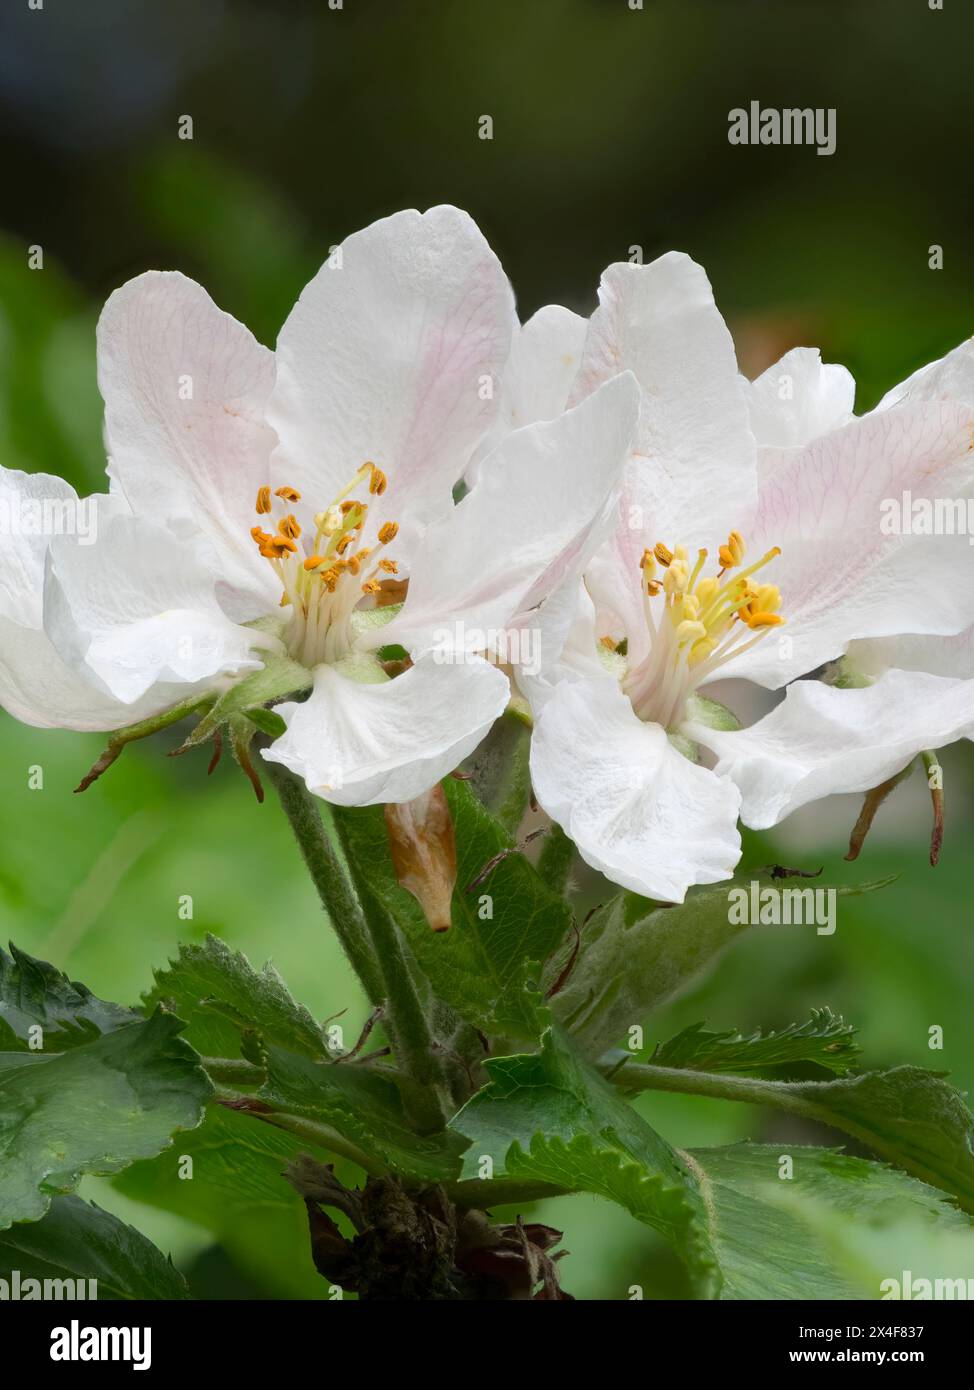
[(388, 531), (288, 494), (263, 500), (288, 526), (664, 556)]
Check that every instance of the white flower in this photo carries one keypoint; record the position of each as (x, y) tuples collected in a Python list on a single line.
[(748, 545), (263, 506)]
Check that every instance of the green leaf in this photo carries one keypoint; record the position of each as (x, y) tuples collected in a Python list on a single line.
[(909, 1116), (364, 1107), (767, 1231), (735, 1215), (35, 994), (76, 1240), (93, 1109), (823, 1041), (633, 956), (485, 965), (498, 771), (212, 987), (548, 1118), (238, 1194)]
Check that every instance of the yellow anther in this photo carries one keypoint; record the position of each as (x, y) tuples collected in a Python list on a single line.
[(732, 553), (764, 620), (260, 535), (653, 588), (377, 480), (700, 651), (664, 556), (706, 590), (675, 579), (288, 526), (388, 531), (346, 507), (276, 547), (389, 566), (263, 500), (371, 586), (688, 631), (608, 642), (330, 579), (354, 564), (343, 542), (288, 494), (313, 561), (648, 564)]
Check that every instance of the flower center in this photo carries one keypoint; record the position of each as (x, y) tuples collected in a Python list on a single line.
[(324, 567), (696, 623)]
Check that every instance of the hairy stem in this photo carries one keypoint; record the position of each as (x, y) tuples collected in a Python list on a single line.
[(373, 945), (331, 878)]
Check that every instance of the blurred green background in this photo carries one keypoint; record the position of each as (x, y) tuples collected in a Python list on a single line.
[(610, 131)]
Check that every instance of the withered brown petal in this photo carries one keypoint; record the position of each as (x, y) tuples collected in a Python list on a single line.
[(424, 853)]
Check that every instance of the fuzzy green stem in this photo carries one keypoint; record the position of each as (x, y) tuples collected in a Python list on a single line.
[(408, 1020), (330, 877), (373, 946)]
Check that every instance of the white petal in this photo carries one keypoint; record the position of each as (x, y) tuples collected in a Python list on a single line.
[(697, 476), (545, 356), (800, 398), (638, 810), (137, 608), (841, 576), (394, 354), (546, 498), (26, 533), (357, 745), (185, 388), (39, 688), (951, 378), (939, 656), (822, 739)]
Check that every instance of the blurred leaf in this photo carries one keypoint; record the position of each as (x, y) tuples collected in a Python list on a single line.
[(77, 1240), (94, 1109), (633, 957), (483, 966), (33, 993), (212, 979), (235, 1189), (498, 771), (823, 1040)]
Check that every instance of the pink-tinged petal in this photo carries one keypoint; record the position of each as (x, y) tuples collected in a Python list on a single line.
[(831, 507), (358, 745), (638, 810), (546, 498), (138, 609), (394, 354), (821, 739), (697, 474), (800, 398), (185, 388), (545, 356)]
